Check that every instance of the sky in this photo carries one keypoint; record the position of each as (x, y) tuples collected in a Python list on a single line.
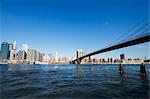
[(67, 25)]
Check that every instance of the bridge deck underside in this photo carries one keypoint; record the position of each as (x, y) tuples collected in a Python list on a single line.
[(118, 46)]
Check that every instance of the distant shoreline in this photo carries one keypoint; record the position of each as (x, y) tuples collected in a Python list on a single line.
[(80, 64)]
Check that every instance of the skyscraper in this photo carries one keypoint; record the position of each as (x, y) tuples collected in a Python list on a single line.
[(10, 46), (56, 56), (13, 55), (14, 45), (21, 55), (51, 58), (37, 56), (0, 56), (4, 50), (31, 55)]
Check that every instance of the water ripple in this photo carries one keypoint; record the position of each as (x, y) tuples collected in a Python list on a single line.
[(71, 81)]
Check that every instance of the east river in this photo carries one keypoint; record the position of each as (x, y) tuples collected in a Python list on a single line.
[(73, 81)]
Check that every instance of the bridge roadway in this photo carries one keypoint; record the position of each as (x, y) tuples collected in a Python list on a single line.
[(143, 39)]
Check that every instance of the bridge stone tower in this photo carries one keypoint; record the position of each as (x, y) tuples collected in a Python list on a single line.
[(79, 53), (90, 60)]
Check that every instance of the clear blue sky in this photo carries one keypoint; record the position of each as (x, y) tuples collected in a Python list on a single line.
[(67, 25)]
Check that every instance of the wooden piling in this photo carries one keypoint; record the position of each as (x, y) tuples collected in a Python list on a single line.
[(121, 69), (142, 70)]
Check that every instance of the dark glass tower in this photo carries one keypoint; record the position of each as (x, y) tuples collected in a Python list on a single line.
[(4, 50)]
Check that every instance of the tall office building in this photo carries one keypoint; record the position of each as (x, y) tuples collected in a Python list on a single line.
[(21, 55), (37, 56), (10, 46), (13, 55), (14, 45), (25, 47), (42, 55), (0, 57), (51, 58), (45, 59), (4, 51), (56, 56), (31, 55)]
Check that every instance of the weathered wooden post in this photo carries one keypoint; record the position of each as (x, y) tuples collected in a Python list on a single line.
[(142, 70), (121, 69)]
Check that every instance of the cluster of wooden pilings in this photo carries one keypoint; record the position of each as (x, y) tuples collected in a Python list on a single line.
[(142, 70)]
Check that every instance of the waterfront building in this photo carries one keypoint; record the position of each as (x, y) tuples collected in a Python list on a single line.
[(14, 45), (64, 60), (0, 57), (94, 60), (45, 59), (133, 61), (41, 57), (117, 61), (31, 55), (56, 57), (97, 60), (21, 55), (4, 51), (110, 60), (103, 60), (25, 47), (37, 56), (10, 46), (85, 61), (51, 58), (59, 60), (13, 55)]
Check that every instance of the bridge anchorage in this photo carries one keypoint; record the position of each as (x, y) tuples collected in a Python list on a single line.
[(130, 42)]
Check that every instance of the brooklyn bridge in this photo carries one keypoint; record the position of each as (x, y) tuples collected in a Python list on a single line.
[(140, 33)]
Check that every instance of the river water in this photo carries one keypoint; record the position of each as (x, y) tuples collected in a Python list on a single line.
[(72, 81)]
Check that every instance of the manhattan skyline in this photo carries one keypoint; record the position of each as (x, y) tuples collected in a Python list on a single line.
[(66, 26)]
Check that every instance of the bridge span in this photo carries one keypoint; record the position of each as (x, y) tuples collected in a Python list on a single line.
[(131, 42)]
